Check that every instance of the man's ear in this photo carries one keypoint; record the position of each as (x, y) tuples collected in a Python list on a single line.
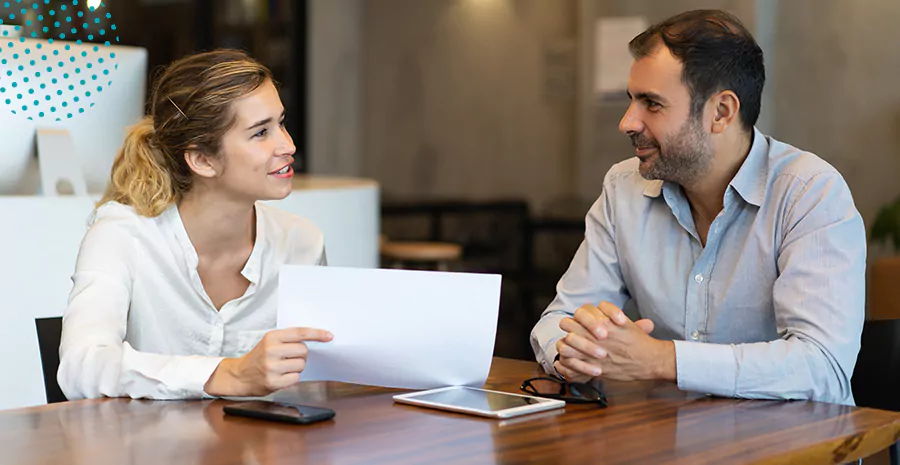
[(727, 107), (201, 163)]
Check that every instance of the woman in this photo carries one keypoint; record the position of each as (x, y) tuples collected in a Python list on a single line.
[(175, 288)]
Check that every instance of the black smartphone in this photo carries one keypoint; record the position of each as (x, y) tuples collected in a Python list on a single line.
[(279, 411)]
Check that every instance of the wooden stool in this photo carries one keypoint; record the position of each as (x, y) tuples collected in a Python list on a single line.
[(435, 255), (884, 289)]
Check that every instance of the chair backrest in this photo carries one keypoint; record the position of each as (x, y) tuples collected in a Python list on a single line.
[(49, 332)]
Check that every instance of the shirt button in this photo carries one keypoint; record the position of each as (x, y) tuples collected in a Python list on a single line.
[(695, 335), (698, 279)]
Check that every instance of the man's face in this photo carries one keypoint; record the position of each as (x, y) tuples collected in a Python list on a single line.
[(671, 144)]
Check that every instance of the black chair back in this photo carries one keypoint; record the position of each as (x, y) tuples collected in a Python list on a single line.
[(876, 378), (49, 332)]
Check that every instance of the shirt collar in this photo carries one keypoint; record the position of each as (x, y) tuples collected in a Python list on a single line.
[(252, 269), (653, 188), (191, 260), (750, 180)]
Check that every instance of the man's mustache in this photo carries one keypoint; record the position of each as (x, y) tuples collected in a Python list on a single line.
[(640, 140)]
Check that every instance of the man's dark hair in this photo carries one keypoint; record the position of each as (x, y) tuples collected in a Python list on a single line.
[(717, 52)]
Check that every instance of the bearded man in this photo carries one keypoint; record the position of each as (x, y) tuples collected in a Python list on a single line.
[(743, 256)]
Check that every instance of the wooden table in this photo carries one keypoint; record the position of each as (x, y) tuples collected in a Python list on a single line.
[(645, 423)]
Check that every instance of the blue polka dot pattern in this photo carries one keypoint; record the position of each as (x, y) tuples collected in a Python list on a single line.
[(65, 86)]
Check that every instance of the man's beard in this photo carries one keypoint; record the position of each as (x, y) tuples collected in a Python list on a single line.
[(686, 157)]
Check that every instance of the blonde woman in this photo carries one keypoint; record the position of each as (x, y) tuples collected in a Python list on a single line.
[(174, 292)]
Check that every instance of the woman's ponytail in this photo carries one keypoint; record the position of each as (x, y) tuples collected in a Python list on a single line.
[(140, 177)]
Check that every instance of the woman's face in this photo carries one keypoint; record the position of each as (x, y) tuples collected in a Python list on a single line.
[(257, 151)]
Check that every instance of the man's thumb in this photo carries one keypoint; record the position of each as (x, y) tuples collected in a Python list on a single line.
[(645, 324)]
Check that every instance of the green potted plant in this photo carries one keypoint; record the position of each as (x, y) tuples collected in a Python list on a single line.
[(884, 278)]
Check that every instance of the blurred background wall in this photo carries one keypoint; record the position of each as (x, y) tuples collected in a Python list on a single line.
[(492, 98)]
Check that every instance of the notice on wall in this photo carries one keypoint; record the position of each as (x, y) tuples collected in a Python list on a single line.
[(612, 60)]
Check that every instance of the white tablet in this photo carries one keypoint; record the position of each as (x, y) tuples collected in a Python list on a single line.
[(481, 402)]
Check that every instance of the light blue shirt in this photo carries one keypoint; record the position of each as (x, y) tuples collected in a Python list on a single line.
[(771, 308)]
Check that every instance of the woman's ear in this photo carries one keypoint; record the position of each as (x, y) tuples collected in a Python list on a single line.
[(201, 164)]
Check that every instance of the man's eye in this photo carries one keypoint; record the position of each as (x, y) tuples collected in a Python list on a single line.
[(653, 105)]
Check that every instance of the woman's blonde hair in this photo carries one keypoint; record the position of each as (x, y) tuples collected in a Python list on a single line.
[(190, 109)]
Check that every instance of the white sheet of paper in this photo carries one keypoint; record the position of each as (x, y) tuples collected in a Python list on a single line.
[(612, 59), (393, 328)]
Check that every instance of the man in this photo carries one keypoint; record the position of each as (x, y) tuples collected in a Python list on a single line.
[(745, 256)]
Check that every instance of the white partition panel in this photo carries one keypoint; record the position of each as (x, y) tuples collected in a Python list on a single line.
[(348, 212), (39, 240)]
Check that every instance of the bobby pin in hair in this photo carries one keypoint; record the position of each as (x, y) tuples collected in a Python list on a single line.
[(179, 109)]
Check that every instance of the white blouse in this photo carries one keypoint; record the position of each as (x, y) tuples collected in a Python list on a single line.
[(139, 322)]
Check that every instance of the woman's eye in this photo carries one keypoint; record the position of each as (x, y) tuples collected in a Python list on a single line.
[(261, 133)]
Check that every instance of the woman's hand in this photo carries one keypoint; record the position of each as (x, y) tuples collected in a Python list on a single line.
[(275, 363)]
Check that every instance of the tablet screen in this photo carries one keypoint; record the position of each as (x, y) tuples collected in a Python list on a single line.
[(476, 399)]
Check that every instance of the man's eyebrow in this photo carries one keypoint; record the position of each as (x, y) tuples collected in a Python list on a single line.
[(647, 96), (651, 96)]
